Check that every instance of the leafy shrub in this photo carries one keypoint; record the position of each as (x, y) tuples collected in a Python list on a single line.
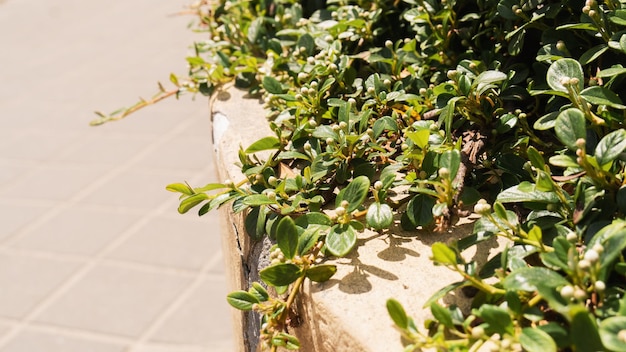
[(421, 111)]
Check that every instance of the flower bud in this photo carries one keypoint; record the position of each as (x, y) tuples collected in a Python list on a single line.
[(312, 123), (598, 248), (580, 294), (580, 143), (307, 146), (302, 76), (591, 256), (621, 335), (482, 207), (340, 211), (560, 46), (378, 185), (229, 183), (584, 264), (574, 81), (272, 181), (567, 292), (452, 74), (572, 237), (444, 172), (599, 286), (478, 332), (344, 203), (389, 44), (565, 81), (343, 125)]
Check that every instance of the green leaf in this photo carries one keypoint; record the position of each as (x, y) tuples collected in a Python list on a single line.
[(180, 188), (280, 274), (307, 42), (354, 193), (498, 319), (255, 223), (564, 68), (570, 126), (598, 95), (613, 238), (564, 161), (525, 192), (419, 210), (340, 240), (321, 273), (272, 85), (532, 279), (385, 123), (592, 54), (287, 341), (397, 313), (486, 79), (210, 187), (287, 237), (420, 137), (379, 216), (611, 72), (583, 330), (308, 239), (536, 340), (257, 199), (535, 158), (442, 315), (242, 300), (609, 330), (451, 159), (190, 202), (535, 234), (610, 146), (266, 143), (259, 292), (443, 254), (546, 121)]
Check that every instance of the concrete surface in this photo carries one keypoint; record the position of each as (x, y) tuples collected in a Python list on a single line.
[(93, 255)]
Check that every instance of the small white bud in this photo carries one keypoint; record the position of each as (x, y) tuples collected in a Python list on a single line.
[(580, 294), (572, 237), (567, 292), (340, 211), (592, 256), (345, 203), (599, 286), (584, 264), (378, 185)]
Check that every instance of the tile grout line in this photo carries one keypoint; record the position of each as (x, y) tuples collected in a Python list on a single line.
[(160, 320), (73, 279), (82, 194), (85, 269)]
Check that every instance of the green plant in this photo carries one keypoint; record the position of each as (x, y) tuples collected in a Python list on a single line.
[(425, 111)]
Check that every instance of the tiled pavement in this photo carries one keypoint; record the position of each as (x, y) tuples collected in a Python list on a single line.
[(93, 255)]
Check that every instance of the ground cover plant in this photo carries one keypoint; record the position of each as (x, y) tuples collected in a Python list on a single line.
[(421, 112)]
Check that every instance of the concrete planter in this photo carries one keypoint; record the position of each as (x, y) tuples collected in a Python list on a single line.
[(346, 313)]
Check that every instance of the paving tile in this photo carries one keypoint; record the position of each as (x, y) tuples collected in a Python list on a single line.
[(136, 188), (105, 147), (192, 153), (15, 216), (77, 230), (33, 341), (36, 144), (11, 172), (26, 281), (174, 241), (115, 300), (203, 319), (54, 182), (173, 348)]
